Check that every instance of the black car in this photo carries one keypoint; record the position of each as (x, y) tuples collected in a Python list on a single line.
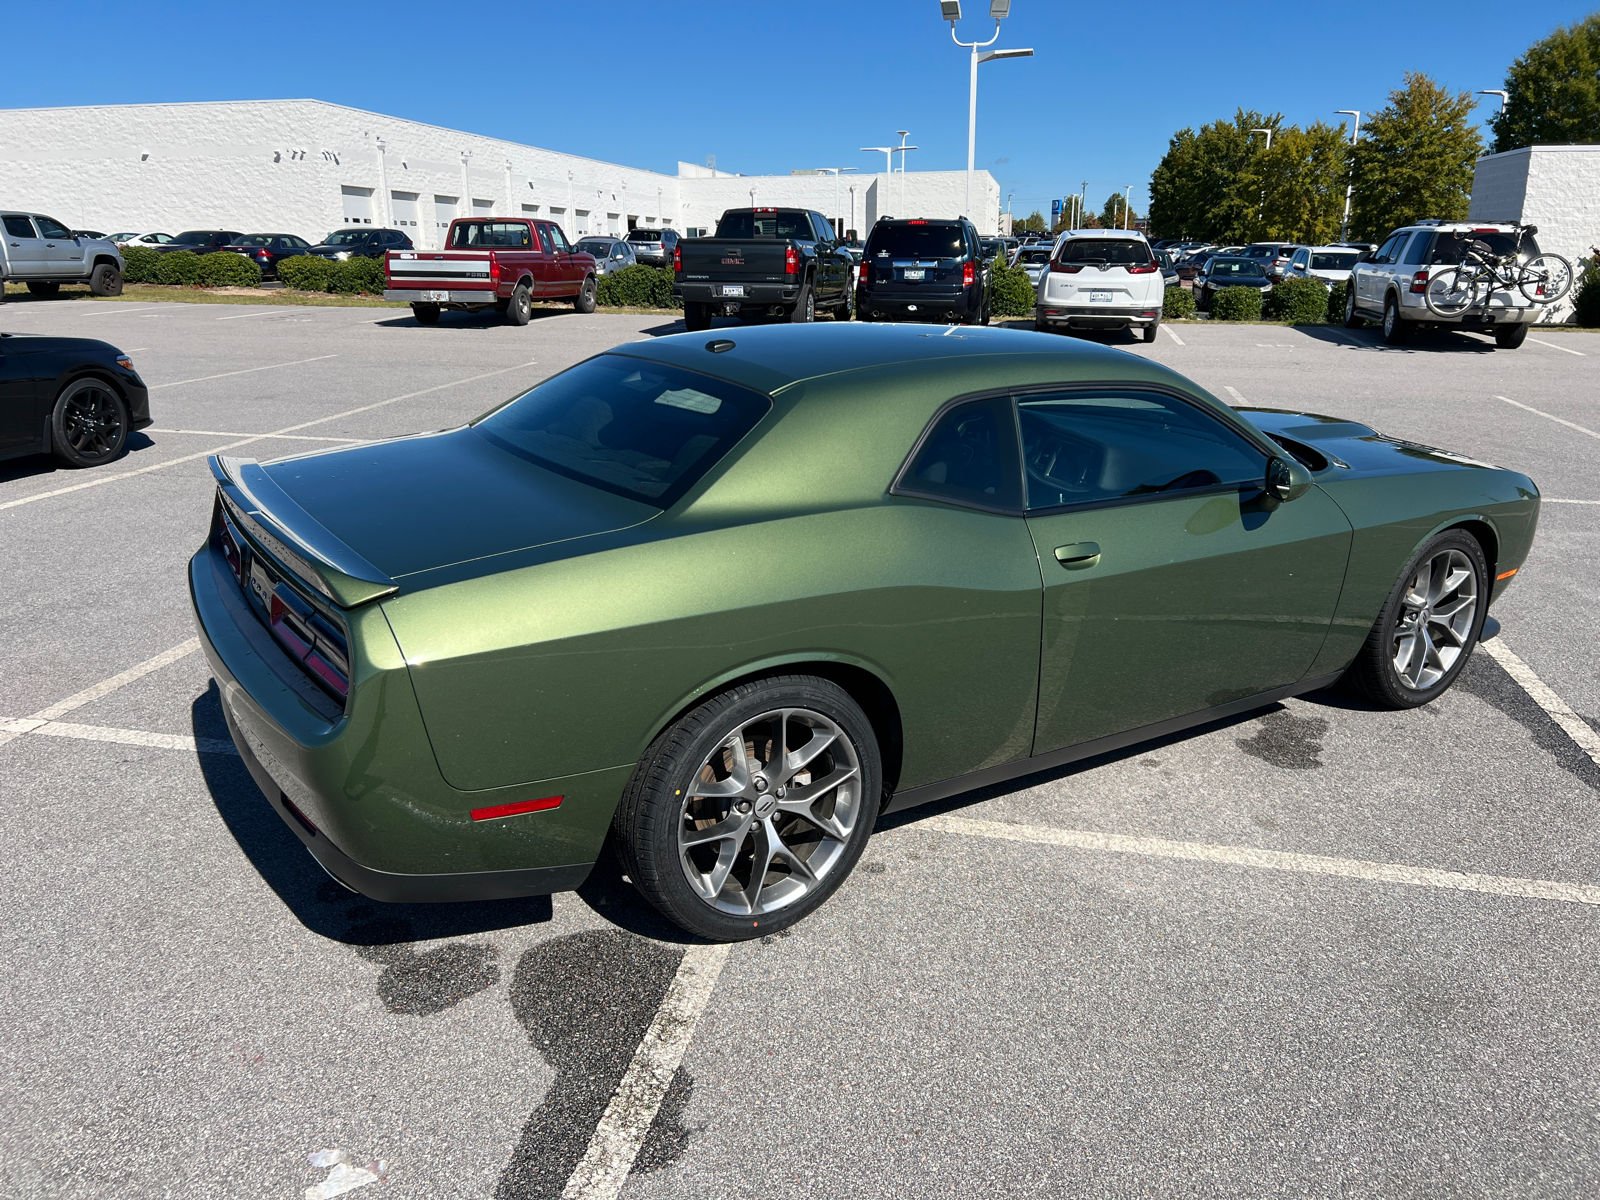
[(265, 249), (924, 270), (1226, 271), (360, 243), (75, 398), (200, 241), (653, 247)]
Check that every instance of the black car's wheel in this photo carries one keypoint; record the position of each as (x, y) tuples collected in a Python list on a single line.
[(1510, 338), (805, 308), (519, 310), (749, 811), (584, 300), (1150, 331), (45, 290), (1427, 627), (846, 308), (1395, 332), (89, 424), (106, 281), (426, 314), (1352, 318), (696, 316)]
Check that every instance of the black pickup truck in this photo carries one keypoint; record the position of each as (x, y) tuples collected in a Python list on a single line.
[(764, 263)]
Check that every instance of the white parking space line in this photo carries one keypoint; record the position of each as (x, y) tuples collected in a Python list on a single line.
[(1548, 417), (293, 437), (621, 1132), (255, 437), (1174, 336), (271, 312), (1541, 693), (1553, 500), (1273, 860), (1563, 349), (122, 737), (104, 688), (247, 371), (1234, 392)]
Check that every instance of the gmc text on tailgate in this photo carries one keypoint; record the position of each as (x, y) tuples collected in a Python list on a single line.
[(501, 263), (764, 263)]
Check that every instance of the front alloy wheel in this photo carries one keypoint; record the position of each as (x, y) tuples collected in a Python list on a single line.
[(1439, 608)]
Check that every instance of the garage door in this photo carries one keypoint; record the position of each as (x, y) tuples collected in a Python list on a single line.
[(357, 205)]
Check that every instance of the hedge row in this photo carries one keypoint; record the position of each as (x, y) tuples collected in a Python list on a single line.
[(1236, 304), (303, 272), (1297, 301), (1013, 294), (1335, 309), (1177, 304), (637, 286), (353, 276)]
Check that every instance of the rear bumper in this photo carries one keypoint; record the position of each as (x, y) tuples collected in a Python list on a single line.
[(458, 297), (918, 303), (1100, 316), (756, 295)]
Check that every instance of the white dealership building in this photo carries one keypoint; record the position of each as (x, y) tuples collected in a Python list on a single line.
[(307, 167)]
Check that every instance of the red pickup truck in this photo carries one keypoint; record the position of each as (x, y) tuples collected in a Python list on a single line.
[(501, 262)]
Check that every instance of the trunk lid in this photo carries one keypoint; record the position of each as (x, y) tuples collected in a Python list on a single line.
[(734, 260), (445, 269)]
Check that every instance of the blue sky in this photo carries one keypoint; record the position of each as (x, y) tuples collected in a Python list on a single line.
[(768, 87)]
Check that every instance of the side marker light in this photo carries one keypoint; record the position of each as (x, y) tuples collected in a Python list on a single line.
[(1507, 574), (511, 810)]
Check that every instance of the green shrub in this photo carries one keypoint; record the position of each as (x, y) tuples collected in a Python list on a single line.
[(1236, 304), (227, 270), (181, 266), (1586, 300), (305, 273), (1335, 309), (1178, 303), (637, 287), (139, 264), (1297, 301), (358, 275), (1013, 295)]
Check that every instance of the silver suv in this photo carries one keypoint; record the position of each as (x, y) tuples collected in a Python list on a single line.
[(1389, 284), (43, 253)]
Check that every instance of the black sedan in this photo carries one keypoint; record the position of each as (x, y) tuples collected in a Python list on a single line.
[(1226, 272), (75, 398), (361, 243), (200, 241), (265, 249)]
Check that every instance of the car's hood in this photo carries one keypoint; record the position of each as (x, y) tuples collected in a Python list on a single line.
[(417, 503), (1352, 448)]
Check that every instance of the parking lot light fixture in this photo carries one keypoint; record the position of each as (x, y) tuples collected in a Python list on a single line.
[(901, 149), (1504, 96), (1261, 208), (950, 10), (1126, 196), (1350, 184)]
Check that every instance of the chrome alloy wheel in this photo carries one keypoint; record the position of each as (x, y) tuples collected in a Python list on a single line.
[(768, 814), (1437, 611)]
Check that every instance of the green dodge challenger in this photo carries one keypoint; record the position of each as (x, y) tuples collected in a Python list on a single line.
[(733, 600)]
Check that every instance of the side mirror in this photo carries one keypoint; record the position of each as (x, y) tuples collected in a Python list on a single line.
[(1369, 256), (1286, 479)]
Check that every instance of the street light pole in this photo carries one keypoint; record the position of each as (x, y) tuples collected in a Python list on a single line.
[(1350, 184), (1126, 195), (902, 148), (950, 10), (1262, 207)]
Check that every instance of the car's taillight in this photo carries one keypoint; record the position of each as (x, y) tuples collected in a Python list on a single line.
[(1060, 268), (968, 274), (311, 639), (232, 552), (791, 261), (494, 268), (1144, 270), (677, 260), (1419, 283)]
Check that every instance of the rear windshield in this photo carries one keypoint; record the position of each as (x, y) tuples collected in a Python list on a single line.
[(347, 237), (595, 246), (254, 239), (636, 428), (1260, 252), (1449, 247), (1341, 261), (644, 235), (1033, 256), (195, 236), (485, 235), (1105, 250), (916, 241), (1233, 266), (780, 223)]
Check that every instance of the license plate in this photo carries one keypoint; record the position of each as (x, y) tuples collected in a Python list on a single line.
[(441, 297), (913, 276), (1099, 297), (733, 289)]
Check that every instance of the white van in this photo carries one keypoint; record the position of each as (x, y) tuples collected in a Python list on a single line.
[(1100, 279)]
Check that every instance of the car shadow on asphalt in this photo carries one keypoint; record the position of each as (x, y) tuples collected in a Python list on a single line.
[(34, 465), (465, 320), (319, 903)]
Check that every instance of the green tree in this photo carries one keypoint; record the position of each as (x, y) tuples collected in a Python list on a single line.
[(1111, 213), (1415, 159), (1208, 184), (1553, 90), (1302, 183), (1034, 222)]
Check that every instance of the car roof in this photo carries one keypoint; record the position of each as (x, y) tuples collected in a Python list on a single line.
[(1102, 233)]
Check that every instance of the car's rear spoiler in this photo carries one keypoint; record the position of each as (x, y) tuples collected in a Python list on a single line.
[(292, 535)]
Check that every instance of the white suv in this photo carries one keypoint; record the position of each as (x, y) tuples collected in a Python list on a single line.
[(1100, 279), (1389, 284)]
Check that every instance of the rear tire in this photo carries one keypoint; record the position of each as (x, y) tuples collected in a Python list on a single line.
[(45, 291), (1386, 671), (1150, 331), (1352, 318), (1395, 332), (1510, 339), (519, 309), (805, 308), (696, 317), (89, 424), (426, 314), (106, 280), (846, 309), (661, 805), (585, 299)]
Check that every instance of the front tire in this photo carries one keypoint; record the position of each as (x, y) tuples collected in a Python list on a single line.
[(1427, 627), (89, 424), (1510, 339), (585, 299), (106, 280), (426, 314), (750, 810), (1395, 332)]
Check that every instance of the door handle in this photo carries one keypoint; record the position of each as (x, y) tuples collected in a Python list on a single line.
[(1078, 556)]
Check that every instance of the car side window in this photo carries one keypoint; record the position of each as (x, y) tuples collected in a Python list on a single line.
[(1300, 258), (1088, 446), (51, 229), (558, 239), (1417, 253), (20, 227), (544, 238), (1390, 250), (968, 457)]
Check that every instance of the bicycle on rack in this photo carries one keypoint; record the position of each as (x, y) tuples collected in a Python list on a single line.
[(1543, 278)]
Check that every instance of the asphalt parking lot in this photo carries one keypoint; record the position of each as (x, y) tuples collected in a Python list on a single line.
[(1314, 951)]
